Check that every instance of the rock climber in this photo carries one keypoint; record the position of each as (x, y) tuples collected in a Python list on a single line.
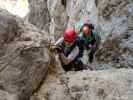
[(70, 51), (90, 39)]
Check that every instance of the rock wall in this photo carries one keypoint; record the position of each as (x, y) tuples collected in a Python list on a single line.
[(39, 14), (23, 60), (58, 16), (116, 18), (113, 20), (109, 16), (118, 52)]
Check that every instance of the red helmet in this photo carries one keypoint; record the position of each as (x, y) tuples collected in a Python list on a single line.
[(69, 35)]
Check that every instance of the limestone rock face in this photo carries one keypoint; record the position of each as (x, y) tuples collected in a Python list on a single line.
[(23, 61), (7, 96), (39, 14), (108, 16), (49, 15), (58, 16), (118, 52), (89, 85), (84, 10), (115, 16), (114, 22)]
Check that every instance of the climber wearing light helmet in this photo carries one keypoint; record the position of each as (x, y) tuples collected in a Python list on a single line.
[(70, 51)]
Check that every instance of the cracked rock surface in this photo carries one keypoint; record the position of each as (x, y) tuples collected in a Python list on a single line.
[(89, 85), (22, 58)]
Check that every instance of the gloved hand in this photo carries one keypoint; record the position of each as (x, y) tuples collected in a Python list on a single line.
[(52, 48), (59, 49)]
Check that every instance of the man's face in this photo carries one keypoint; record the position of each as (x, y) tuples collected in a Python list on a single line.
[(86, 30), (68, 43)]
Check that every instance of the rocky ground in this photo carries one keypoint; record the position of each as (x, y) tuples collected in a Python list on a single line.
[(88, 85)]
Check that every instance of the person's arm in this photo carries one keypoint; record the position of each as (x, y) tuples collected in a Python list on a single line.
[(80, 43), (71, 56), (58, 41), (97, 43), (58, 45)]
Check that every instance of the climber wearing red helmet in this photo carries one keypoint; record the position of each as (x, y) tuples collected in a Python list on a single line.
[(70, 51), (69, 36)]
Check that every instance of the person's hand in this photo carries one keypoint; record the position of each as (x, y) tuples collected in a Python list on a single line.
[(59, 49), (89, 46), (52, 48)]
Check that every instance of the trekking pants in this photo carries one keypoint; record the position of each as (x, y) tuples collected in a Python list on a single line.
[(76, 66)]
